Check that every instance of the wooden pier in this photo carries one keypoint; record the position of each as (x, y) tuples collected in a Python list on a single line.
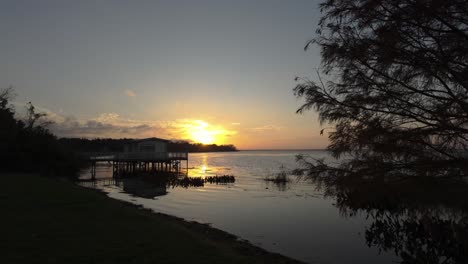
[(133, 163)]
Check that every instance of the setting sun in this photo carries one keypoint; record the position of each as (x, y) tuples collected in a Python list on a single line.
[(203, 136), (200, 131)]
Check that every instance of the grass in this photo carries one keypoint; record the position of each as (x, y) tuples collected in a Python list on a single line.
[(51, 221)]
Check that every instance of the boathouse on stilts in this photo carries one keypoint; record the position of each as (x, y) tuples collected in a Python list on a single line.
[(147, 155)]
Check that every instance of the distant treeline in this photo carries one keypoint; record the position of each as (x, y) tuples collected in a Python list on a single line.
[(117, 145), (181, 146)]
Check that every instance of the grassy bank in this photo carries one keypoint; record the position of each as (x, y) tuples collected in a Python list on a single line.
[(50, 221)]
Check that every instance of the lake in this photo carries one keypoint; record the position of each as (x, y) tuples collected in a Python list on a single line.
[(294, 219)]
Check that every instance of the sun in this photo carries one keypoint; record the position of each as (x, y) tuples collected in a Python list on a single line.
[(201, 133), (203, 136)]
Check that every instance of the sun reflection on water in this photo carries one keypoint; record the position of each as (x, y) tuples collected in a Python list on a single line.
[(204, 165)]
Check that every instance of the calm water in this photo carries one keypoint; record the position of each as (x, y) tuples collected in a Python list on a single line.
[(293, 219)]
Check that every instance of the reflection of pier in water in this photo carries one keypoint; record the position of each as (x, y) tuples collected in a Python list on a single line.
[(134, 186), (146, 186)]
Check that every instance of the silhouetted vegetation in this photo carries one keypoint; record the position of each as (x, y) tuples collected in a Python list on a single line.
[(181, 146), (175, 180), (117, 145), (220, 179), (393, 95), (396, 87), (189, 182), (28, 146), (416, 219), (279, 179), (420, 219)]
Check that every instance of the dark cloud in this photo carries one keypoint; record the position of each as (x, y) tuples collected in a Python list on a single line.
[(71, 127)]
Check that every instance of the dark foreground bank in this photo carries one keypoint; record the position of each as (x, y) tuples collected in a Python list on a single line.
[(49, 221)]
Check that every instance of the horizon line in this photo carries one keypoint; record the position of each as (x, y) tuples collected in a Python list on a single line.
[(314, 149)]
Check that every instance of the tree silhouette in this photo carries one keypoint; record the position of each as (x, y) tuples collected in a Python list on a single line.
[(33, 117), (396, 88), (28, 146)]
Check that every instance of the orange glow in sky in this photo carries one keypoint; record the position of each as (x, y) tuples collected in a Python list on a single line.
[(201, 134), (200, 131)]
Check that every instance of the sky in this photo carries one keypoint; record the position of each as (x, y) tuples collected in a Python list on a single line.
[(207, 71)]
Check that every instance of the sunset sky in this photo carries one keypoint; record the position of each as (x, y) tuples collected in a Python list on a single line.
[(208, 71)]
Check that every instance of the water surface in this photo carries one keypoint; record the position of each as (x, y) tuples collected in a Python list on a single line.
[(293, 219)]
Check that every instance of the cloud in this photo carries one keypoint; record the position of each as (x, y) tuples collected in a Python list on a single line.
[(93, 129), (130, 93), (235, 124), (112, 125), (266, 128), (107, 117), (107, 125)]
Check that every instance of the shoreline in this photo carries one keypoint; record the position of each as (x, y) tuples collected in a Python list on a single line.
[(182, 239), (203, 227)]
